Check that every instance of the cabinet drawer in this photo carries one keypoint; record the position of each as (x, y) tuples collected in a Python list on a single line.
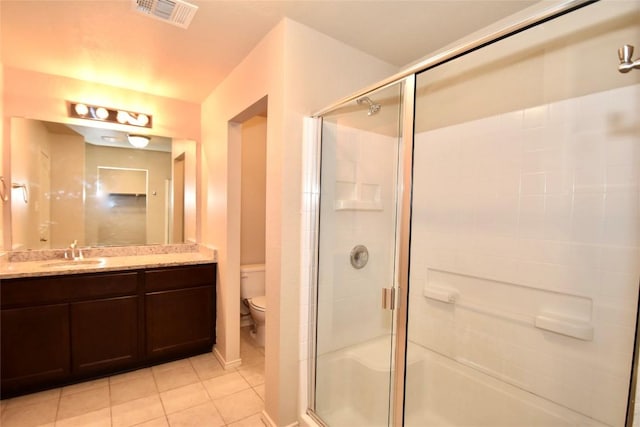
[(180, 277), (48, 290)]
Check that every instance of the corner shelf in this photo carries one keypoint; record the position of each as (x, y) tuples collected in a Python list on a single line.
[(358, 205)]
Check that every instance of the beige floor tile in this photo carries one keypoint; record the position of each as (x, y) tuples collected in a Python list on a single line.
[(254, 374), (167, 379), (182, 363), (99, 418), (225, 385), (32, 399), (82, 402), (239, 405), (207, 366), (84, 386), (260, 390), (133, 389), (250, 355), (204, 414), (133, 375), (30, 415), (182, 398), (252, 421), (137, 411), (158, 422)]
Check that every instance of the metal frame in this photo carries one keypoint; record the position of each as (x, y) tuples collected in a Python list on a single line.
[(313, 221), (403, 242)]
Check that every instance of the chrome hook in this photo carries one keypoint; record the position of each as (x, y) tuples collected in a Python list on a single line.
[(625, 53)]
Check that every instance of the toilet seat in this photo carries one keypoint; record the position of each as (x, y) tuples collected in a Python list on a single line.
[(258, 303)]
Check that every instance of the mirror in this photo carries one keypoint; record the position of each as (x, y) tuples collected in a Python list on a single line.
[(89, 184)]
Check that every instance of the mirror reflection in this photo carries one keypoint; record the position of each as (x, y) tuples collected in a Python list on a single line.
[(90, 184)]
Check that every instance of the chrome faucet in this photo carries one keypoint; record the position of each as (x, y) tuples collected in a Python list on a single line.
[(73, 256)]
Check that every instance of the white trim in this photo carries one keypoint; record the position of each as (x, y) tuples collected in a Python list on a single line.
[(266, 419), (226, 365)]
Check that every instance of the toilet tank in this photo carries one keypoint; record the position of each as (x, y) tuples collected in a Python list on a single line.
[(252, 280)]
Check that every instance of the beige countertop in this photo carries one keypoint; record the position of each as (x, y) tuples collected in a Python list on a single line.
[(97, 264)]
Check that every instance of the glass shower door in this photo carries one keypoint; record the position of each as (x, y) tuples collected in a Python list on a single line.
[(357, 260), (525, 235)]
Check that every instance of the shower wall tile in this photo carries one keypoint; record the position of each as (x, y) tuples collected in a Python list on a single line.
[(540, 200), (365, 161)]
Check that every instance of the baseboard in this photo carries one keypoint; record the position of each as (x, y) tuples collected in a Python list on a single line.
[(266, 419), (223, 362)]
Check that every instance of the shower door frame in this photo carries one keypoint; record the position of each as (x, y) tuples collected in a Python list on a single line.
[(495, 33), (313, 134)]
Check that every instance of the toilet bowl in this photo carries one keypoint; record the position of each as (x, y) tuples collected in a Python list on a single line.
[(257, 307), (252, 293)]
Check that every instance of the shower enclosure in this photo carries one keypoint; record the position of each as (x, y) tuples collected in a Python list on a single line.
[(478, 233)]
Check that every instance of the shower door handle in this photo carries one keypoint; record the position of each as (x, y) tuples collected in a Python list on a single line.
[(388, 298)]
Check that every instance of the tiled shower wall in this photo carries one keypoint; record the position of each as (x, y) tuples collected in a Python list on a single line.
[(532, 213), (358, 208)]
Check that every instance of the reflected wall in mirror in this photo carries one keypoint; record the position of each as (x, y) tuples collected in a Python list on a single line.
[(89, 184)]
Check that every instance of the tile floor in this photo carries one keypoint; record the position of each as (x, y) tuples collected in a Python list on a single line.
[(195, 391)]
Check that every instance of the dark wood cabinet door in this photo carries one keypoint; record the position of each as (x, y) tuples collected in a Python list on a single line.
[(35, 347), (179, 321), (104, 335)]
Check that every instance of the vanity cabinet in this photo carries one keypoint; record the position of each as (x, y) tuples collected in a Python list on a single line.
[(35, 346), (179, 310), (62, 329), (104, 334)]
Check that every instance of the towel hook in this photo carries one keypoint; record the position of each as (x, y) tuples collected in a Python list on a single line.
[(25, 191), (3, 190)]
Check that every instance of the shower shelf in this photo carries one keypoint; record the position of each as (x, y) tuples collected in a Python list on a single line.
[(358, 205)]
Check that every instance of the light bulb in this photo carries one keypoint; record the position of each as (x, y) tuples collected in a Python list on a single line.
[(143, 119), (81, 109), (123, 117), (102, 113)]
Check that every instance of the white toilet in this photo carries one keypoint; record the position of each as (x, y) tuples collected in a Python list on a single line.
[(252, 292)]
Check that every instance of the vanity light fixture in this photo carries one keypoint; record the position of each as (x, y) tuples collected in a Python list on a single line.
[(138, 141), (93, 112)]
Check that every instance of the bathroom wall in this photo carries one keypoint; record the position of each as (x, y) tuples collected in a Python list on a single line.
[(190, 149), (254, 174), (301, 71), (67, 189), (41, 96), (31, 218), (158, 165), (521, 227), (3, 172)]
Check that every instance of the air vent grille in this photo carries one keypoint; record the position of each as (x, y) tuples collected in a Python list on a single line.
[(176, 12)]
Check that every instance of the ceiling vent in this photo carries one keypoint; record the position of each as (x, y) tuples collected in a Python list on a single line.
[(176, 12)]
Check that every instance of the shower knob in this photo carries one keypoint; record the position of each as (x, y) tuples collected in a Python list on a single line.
[(359, 257)]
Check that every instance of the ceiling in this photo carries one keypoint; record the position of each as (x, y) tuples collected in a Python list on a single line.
[(106, 41)]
